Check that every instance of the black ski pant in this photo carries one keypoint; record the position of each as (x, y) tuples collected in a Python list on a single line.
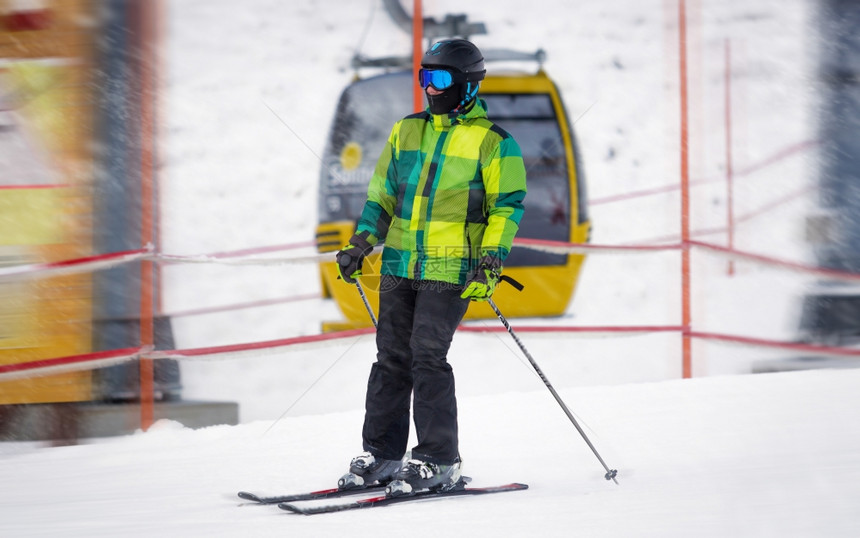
[(417, 320)]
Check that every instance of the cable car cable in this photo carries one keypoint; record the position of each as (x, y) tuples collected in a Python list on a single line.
[(366, 30)]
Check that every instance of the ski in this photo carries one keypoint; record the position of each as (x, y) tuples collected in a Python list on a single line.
[(385, 501), (309, 496)]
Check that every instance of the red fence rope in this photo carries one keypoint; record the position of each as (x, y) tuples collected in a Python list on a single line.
[(762, 342), (86, 361), (234, 349), (672, 187), (105, 358)]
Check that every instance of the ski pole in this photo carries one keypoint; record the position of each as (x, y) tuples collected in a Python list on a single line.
[(610, 473), (366, 302)]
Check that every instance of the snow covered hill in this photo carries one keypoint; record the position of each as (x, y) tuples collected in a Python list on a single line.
[(764, 455), (720, 455)]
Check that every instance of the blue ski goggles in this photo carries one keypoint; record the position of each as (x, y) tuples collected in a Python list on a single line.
[(441, 79)]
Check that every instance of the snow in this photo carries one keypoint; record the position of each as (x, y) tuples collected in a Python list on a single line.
[(726, 453), (763, 455)]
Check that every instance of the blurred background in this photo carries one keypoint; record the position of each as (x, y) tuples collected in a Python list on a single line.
[(175, 175)]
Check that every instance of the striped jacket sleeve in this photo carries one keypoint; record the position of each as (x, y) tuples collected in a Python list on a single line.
[(504, 177), (381, 194)]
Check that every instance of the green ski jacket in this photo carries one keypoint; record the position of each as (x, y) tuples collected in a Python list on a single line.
[(446, 191)]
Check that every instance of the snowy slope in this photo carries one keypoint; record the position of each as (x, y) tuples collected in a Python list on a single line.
[(764, 455)]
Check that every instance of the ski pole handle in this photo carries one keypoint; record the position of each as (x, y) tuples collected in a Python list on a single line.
[(518, 286), (345, 259)]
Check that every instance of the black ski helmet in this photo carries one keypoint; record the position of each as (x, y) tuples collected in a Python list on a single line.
[(459, 56)]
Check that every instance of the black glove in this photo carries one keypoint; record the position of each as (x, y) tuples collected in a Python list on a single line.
[(482, 281), (351, 257)]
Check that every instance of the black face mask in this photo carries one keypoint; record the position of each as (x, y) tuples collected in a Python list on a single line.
[(446, 101)]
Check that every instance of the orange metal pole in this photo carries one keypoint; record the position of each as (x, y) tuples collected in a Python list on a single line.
[(147, 337), (159, 24), (417, 53), (685, 199), (730, 209)]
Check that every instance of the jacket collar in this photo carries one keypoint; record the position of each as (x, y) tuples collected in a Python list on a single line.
[(474, 110)]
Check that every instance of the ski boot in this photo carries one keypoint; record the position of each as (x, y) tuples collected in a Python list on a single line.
[(418, 475), (366, 469)]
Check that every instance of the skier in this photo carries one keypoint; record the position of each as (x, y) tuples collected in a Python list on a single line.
[(446, 197)]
